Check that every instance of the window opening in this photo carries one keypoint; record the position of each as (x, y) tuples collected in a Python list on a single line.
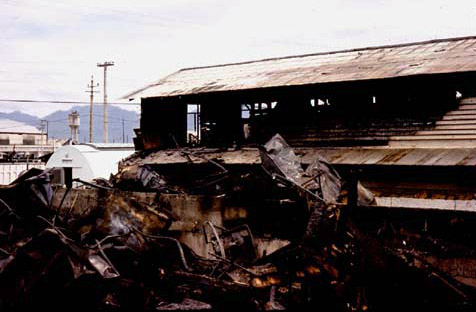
[(193, 123)]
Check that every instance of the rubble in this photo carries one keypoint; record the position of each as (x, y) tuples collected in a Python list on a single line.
[(147, 241)]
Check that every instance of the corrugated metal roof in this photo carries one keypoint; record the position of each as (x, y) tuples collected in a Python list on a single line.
[(421, 58), (12, 126), (336, 156), (399, 156)]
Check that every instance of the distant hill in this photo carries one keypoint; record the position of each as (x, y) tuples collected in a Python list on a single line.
[(21, 117), (58, 123)]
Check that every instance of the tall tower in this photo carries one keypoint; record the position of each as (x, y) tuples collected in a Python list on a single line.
[(73, 119)]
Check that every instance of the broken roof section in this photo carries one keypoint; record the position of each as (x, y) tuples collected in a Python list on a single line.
[(336, 156), (454, 55)]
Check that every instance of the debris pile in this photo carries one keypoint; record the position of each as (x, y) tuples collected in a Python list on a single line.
[(131, 244)]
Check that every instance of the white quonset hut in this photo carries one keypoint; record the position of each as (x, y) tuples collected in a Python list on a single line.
[(89, 160)]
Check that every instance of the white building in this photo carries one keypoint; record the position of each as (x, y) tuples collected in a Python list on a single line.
[(19, 138), (17, 133), (89, 160), (21, 145)]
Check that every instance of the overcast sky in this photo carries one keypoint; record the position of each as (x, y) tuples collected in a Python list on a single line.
[(49, 48)]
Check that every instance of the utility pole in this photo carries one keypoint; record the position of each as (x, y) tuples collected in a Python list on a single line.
[(43, 123), (105, 65), (91, 91), (123, 137)]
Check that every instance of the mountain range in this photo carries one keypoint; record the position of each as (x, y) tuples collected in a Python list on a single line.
[(119, 120)]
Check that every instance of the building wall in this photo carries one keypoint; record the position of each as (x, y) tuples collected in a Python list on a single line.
[(11, 171), (163, 123), (22, 139)]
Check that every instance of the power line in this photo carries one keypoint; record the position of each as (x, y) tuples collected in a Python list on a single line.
[(57, 120), (60, 102), (98, 115), (126, 120)]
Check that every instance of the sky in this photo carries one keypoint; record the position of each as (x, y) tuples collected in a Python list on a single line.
[(49, 49)]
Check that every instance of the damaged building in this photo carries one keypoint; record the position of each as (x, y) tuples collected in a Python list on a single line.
[(399, 119), (339, 180)]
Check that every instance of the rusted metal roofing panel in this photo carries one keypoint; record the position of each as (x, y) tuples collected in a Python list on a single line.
[(337, 156), (402, 156), (431, 57)]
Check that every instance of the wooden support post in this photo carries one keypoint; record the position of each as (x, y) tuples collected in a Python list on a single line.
[(352, 200), (353, 192)]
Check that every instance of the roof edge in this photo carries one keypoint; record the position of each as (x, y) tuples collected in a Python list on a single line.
[(130, 96), (333, 52), (307, 84)]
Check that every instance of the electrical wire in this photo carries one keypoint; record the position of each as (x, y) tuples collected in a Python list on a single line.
[(120, 119), (61, 102)]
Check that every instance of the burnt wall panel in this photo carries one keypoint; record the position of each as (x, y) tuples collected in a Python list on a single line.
[(162, 121), (221, 121)]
